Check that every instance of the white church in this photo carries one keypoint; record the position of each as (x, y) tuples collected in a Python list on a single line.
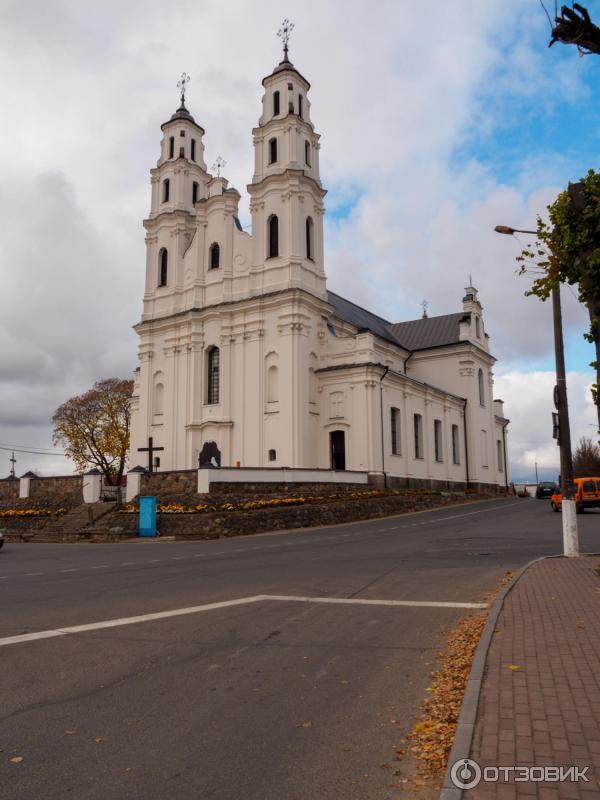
[(247, 359)]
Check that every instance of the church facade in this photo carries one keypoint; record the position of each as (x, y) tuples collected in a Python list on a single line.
[(246, 358)]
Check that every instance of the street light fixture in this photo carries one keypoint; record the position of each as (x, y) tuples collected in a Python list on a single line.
[(569, 519)]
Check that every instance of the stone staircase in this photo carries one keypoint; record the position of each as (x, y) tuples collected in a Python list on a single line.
[(72, 527)]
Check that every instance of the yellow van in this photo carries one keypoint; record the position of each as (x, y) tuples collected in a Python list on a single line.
[(586, 496)]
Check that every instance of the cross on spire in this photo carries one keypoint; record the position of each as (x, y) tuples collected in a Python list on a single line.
[(284, 34), (424, 306), (182, 85), (218, 165)]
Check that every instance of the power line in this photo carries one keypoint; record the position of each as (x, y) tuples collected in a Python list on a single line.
[(33, 452)]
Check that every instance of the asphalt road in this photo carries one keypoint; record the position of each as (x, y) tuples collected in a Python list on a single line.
[(271, 699)]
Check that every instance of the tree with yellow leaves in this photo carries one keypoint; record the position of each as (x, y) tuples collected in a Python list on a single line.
[(93, 427)]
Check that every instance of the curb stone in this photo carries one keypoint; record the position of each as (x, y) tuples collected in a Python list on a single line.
[(463, 738)]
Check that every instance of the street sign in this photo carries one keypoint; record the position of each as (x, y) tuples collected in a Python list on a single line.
[(555, 426), (147, 523)]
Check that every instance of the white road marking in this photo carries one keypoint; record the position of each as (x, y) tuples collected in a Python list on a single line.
[(128, 563), (177, 558), (100, 566), (360, 601), (179, 612), (33, 574), (68, 570), (154, 561)]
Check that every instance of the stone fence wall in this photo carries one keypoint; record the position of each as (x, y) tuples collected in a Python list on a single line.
[(169, 483), (9, 489), (60, 486)]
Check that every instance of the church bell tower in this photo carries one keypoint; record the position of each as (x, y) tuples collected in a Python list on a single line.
[(286, 195)]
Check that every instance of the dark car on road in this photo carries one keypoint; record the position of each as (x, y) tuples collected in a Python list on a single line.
[(545, 489)]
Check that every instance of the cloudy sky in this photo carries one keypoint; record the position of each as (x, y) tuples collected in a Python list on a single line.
[(436, 125)]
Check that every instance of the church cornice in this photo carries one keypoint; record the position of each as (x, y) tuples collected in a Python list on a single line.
[(299, 176), (399, 376), (246, 303)]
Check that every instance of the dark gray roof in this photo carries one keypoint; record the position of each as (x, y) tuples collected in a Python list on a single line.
[(420, 334), (361, 318), (183, 113)]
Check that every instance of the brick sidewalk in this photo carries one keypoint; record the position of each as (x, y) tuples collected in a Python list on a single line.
[(546, 713)]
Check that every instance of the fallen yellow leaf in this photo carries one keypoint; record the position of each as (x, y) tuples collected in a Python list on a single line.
[(17, 759), (513, 666)]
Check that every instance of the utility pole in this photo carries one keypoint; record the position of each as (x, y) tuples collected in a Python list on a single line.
[(570, 534), (569, 510), (537, 480), (13, 461)]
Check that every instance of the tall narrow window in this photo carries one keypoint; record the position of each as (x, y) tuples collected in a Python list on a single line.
[(275, 103), (418, 422), (481, 388), (171, 146), (272, 151), (309, 238), (166, 189), (477, 329), (195, 190), (395, 430), (193, 150), (484, 449), (159, 397), (455, 450), (499, 454), (215, 254), (300, 106), (273, 225), (437, 440), (307, 153), (212, 394), (272, 384), (163, 261)]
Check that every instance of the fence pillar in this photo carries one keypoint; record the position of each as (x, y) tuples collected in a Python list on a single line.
[(134, 482), (92, 482), (25, 484)]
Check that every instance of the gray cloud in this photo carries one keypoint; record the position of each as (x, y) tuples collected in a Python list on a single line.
[(394, 98)]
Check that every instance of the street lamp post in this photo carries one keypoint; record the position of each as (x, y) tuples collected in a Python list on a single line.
[(569, 511)]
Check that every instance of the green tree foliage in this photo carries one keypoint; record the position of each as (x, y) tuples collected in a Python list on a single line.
[(586, 459), (567, 250), (93, 427)]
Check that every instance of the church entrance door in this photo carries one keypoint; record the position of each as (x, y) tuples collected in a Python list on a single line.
[(337, 442)]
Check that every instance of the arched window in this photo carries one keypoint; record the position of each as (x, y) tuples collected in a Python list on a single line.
[(275, 103), (166, 187), (212, 383), (163, 261), (215, 252), (158, 404), (307, 153), (309, 238), (195, 190), (272, 455), (481, 388), (272, 151), (273, 230), (171, 146), (272, 384), (193, 150), (300, 105)]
